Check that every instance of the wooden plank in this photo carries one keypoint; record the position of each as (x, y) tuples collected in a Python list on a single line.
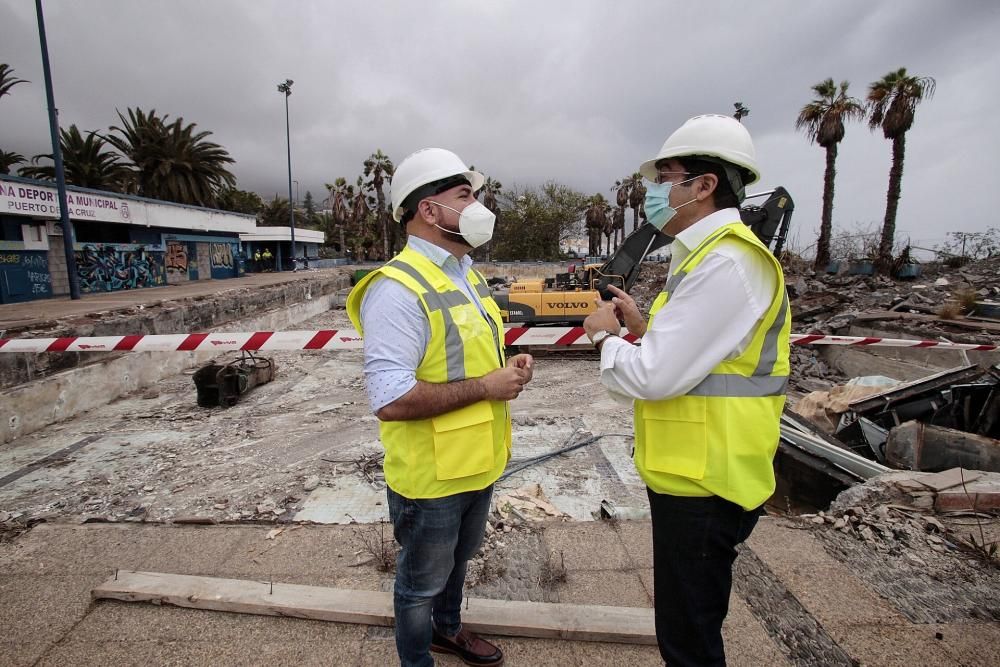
[(631, 625)]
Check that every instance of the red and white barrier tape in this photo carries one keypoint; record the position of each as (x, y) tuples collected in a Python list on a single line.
[(347, 339)]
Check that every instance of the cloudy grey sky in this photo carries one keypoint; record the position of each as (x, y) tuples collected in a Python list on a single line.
[(580, 92)]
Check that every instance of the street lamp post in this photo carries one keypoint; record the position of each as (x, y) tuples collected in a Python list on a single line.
[(64, 222), (286, 88)]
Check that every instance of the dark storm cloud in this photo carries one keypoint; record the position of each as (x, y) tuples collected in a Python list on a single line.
[(579, 92)]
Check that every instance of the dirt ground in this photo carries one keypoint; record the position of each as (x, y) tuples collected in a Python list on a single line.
[(157, 456)]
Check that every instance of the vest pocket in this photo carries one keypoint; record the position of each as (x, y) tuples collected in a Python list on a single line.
[(677, 436), (463, 441)]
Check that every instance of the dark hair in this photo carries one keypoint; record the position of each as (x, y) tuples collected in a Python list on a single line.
[(429, 190), (723, 197)]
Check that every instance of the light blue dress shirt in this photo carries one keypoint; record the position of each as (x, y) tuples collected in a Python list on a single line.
[(396, 327)]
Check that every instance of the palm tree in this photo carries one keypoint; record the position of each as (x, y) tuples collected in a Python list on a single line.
[(491, 188), (892, 102), (596, 219), (7, 79), (622, 190), (8, 160), (618, 224), (85, 163), (637, 199), (360, 214), (823, 121), (172, 161), (378, 167), (607, 229), (341, 195)]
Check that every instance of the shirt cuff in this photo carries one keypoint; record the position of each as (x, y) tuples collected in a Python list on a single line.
[(380, 399), (609, 350)]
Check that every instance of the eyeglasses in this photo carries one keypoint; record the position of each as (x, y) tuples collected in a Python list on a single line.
[(663, 176)]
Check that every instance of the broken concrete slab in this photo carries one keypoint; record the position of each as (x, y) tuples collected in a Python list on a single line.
[(950, 478), (346, 500), (980, 495)]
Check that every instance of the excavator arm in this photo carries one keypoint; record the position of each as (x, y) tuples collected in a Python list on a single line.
[(769, 221), (622, 268)]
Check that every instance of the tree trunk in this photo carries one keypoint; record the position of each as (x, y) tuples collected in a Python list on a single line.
[(826, 224), (891, 204), (635, 220), (383, 220)]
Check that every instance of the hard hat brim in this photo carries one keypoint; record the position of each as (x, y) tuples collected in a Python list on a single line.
[(648, 168)]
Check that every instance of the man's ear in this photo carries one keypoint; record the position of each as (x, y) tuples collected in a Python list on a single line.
[(707, 185), (426, 210)]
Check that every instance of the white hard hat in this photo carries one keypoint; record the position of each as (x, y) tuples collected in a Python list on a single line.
[(427, 166), (713, 136)]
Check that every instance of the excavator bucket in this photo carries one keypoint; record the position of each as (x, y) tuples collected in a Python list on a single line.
[(224, 384)]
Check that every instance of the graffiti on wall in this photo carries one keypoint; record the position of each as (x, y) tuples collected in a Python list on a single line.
[(111, 267), (222, 255), (24, 276), (177, 256)]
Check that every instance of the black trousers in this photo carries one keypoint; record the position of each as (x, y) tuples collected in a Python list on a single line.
[(694, 546)]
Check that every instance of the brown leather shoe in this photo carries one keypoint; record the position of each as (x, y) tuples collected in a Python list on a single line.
[(470, 647)]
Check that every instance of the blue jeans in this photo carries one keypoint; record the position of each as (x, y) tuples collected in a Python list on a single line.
[(438, 536), (694, 546)]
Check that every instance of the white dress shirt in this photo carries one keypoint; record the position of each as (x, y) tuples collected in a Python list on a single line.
[(396, 327), (710, 317)]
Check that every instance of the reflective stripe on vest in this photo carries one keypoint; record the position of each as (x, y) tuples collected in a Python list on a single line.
[(443, 301)]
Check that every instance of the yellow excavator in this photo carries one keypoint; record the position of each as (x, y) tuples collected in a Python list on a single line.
[(569, 297)]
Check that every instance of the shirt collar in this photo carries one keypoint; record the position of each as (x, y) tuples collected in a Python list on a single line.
[(437, 254), (692, 237)]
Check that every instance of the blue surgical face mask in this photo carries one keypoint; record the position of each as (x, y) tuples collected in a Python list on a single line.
[(658, 208)]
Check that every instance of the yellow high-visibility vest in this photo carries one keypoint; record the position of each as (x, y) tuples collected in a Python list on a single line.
[(465, 449), (720, 438)]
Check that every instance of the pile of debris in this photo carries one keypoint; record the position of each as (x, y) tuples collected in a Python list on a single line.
[(936, 565), (888, 528), (828, 303), (948, 419), (513, 520)]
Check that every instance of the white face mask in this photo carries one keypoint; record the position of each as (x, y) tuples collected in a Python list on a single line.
[(475, 223)]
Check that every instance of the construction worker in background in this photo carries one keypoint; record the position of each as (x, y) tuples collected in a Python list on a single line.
[(438, 380), (708, 381), (268, 259), (256, 260)]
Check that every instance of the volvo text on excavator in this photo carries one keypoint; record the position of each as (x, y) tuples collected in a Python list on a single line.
[(569, 297)]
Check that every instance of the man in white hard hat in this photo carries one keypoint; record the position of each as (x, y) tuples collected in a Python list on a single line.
[(438, 380), (708, 381)]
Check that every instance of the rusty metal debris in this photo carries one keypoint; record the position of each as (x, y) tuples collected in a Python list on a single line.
[(224, 384), (948, 419)]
